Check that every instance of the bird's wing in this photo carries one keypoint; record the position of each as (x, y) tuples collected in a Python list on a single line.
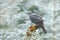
[(36, 19), (39, 17)]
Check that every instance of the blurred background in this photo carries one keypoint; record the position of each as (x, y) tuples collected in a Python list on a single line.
[(14, 20)]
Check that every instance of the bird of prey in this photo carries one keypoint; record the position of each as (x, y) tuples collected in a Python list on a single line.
[(38, 21)]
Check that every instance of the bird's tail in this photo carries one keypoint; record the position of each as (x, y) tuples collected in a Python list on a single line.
[(42, 26)]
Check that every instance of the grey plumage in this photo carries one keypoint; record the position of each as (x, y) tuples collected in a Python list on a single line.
[(38, 21)]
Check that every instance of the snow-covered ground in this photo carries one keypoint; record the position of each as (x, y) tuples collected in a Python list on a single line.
[(12, 29)]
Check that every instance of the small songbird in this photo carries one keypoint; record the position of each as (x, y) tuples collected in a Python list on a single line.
[(37, 20)]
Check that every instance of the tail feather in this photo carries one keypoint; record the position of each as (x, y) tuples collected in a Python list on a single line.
[(42, 26), (43, 29)]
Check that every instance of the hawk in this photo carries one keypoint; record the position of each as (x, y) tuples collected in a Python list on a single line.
[(37, 20)]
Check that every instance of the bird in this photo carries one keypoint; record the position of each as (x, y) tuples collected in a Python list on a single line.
[(36, 19)]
